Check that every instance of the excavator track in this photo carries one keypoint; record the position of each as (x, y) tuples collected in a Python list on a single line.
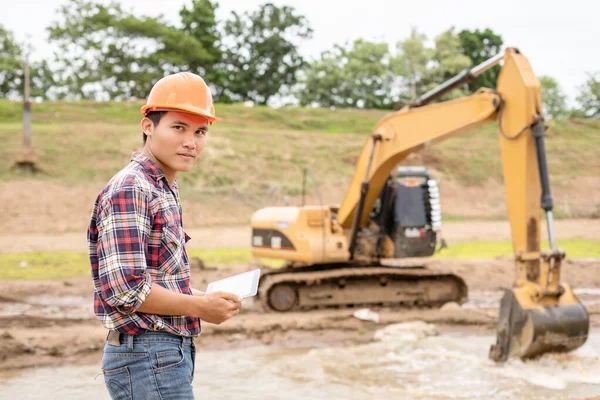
[(338, 286)]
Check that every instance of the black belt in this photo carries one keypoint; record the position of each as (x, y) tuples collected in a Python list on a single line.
[(115, 337)]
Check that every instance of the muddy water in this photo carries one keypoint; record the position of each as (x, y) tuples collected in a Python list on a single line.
[(409, 361), (491, 298)]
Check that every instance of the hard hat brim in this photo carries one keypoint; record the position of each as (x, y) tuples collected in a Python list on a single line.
[(183, 108)]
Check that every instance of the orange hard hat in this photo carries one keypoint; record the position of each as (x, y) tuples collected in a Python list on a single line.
[(183, 92)]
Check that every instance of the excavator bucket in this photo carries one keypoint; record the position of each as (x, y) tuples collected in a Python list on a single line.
[(528, 328)]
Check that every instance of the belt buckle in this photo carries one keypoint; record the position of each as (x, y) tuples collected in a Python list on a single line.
[(114, 338)]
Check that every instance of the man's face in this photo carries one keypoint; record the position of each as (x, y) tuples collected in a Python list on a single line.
[(177, 140)]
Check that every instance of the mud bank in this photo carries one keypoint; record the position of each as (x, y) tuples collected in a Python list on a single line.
[(45, 323)]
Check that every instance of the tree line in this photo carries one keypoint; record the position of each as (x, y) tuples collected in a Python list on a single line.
[(105, 52)]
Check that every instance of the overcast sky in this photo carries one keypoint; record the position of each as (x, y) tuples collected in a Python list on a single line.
[(560, 38)]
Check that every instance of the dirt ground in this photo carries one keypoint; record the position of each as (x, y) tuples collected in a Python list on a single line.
[(52, 322), (31, 208)]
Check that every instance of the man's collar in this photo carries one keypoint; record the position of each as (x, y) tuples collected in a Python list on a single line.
[(150, 167)]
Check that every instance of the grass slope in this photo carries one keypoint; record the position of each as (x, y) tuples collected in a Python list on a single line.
[(60, 265), (257, 154)]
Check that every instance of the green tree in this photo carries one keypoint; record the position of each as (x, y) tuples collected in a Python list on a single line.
[(553, 99), (411, 63), (10, 63), (199, 22), (589, 96), (353, 76), (41, 78), (261, 53), (12, 73), (423, 68), (448, 59), (105, 51), (481, 45), (367, 75)]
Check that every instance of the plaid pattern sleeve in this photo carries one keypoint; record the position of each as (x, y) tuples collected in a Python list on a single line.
[(136, 240), (124, 225)]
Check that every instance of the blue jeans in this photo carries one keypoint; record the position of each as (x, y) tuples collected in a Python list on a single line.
[(153, 365)]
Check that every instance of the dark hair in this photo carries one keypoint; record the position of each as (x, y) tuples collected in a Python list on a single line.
[(155, 117)]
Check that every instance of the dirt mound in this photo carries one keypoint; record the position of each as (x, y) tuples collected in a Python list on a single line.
[(11, 347)]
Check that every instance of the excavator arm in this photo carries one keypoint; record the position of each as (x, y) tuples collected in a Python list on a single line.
[(401, 133), (515, 105), (539, 314)]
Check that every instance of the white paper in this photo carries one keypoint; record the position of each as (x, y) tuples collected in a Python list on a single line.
[(244, 284)]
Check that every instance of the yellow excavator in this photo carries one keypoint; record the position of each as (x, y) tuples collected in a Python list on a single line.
[(341, 256)]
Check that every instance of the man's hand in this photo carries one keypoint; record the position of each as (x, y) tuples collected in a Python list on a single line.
[(214, 307), (217, 307)]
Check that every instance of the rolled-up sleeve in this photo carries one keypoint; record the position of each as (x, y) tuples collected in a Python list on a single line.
[(124, 226)]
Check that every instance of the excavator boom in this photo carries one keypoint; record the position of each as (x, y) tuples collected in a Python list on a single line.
[(401, 133)]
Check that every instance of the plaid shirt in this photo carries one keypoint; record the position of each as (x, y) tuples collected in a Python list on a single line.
[(136, 240)]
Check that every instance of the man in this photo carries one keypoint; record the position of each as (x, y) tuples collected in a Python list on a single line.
[(139, 263)]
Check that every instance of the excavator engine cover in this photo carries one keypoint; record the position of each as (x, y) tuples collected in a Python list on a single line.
[(527, 332)]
